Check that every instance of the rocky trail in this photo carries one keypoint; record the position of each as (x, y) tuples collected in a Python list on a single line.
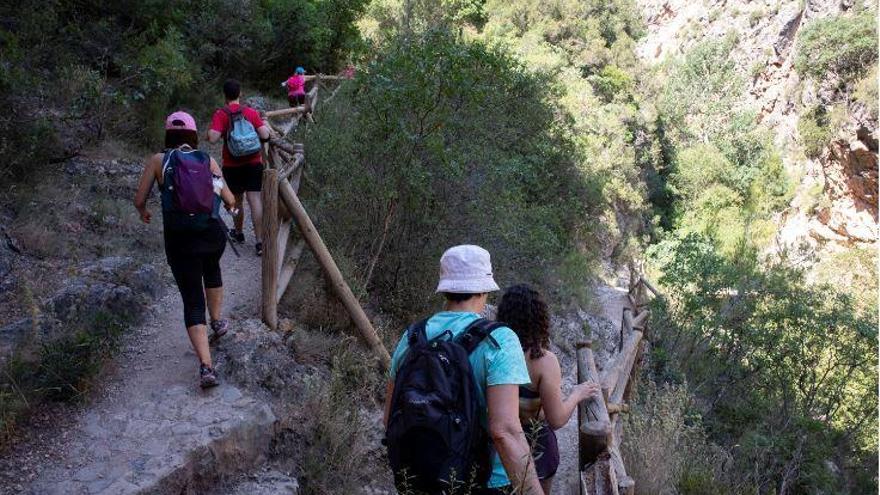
[(149, 428)]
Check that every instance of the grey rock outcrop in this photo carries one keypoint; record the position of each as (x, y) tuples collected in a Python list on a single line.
[(117, 286)]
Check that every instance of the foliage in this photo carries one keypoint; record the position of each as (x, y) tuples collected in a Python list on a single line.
[(814, 127), (122, 66), (843, 45), (866, 92), (783, 369), (433, 146), (60, 370), (723, 174), (335, 458), (665, 447)]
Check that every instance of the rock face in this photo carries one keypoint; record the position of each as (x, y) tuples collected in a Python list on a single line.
[(113, 286), (845, 173), (850, 172)]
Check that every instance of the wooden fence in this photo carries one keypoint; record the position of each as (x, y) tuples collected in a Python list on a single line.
[(281, 210), (602, 471)]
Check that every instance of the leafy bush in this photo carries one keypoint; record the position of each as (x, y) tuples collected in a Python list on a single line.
[(441, 142), (783, 369), (815, 129), (866, 91), (844, 45), (612, 81)]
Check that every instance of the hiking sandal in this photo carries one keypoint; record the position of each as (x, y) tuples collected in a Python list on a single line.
[(207, 377), (219, 328)]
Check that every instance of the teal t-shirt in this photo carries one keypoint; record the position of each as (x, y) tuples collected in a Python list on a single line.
[(501, 365)]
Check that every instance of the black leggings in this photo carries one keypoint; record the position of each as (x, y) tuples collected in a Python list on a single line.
[(189, 271)]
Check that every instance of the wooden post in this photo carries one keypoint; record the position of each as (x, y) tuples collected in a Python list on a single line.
[(594, 423), (269, 260), (599, 478), (343, 291)]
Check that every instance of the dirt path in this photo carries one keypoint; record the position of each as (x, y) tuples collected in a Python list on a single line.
[(149, 426)]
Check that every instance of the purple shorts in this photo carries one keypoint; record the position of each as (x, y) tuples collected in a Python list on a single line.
[(545, 449)]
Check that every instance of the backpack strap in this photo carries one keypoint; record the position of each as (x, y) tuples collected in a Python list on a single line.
[(476, 332), (166, 162), (416, 334)]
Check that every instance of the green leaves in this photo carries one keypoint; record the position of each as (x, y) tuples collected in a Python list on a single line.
[(448, 142), (786, 369), (844, 45)]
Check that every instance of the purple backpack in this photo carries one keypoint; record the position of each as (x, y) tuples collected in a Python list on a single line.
[(188, 199)]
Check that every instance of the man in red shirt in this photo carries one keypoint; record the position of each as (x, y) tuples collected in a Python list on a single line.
[(243, 175)]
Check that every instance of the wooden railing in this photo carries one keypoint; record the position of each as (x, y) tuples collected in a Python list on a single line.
[(281, 210), (602, 470)]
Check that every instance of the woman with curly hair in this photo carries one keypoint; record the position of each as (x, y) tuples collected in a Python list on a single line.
[(541, 406)]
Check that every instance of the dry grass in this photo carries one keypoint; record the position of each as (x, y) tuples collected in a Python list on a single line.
[(337, 453), (665, 448)]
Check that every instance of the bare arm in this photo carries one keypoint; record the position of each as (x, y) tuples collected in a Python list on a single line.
[(225, 193), (263, 132), (509, 439), (556, 410), (389, 392), (213, 136), (145, 185)]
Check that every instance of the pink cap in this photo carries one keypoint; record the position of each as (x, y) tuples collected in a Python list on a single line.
[(180, 120)]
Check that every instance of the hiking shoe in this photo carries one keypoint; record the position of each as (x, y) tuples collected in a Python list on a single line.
[(207, 377), (237, 236), (220, 327), (259, 249)]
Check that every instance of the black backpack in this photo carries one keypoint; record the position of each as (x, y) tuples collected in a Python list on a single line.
[(434, 435)]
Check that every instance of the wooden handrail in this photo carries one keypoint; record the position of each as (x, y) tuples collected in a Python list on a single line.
[(594, 423)]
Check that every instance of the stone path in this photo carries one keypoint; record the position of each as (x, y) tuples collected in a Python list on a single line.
[(150, 428)]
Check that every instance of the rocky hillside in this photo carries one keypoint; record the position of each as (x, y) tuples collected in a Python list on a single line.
[(835, 201)]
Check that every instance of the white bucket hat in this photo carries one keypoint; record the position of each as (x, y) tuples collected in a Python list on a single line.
[(466, 269)]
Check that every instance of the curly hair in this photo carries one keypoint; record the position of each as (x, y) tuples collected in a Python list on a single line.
[(525, 312)]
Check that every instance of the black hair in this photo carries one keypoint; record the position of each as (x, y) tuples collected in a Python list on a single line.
[(456, 297), (231, 89), (177, 137), (525, 312)]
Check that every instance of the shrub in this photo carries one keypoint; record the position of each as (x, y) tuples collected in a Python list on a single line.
[(866, 91), (844, 45), (665, 448), (441, 142), (336, 458), (815, 131), (785, 369), (612, 81)]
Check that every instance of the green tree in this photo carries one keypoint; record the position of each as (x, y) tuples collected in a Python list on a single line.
[(432, 146), (785, 370)]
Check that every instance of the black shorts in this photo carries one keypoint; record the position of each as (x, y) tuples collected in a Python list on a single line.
[(244, 178), (296, 100)]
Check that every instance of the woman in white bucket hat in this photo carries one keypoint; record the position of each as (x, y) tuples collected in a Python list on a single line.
[(497, 363)]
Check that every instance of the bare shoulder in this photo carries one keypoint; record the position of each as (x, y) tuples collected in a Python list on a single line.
[(548, 362)]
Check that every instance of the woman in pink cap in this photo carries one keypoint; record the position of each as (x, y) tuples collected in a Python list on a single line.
[(192, 189)]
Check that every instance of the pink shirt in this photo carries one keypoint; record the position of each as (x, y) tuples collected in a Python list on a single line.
[(296, 85)]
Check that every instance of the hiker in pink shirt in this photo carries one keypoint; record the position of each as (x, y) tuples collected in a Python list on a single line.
[(296, 87)]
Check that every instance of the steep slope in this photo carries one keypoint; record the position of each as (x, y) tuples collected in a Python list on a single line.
[(835, 201)]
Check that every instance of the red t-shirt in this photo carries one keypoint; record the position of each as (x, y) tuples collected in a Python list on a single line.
[(220, 123)]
